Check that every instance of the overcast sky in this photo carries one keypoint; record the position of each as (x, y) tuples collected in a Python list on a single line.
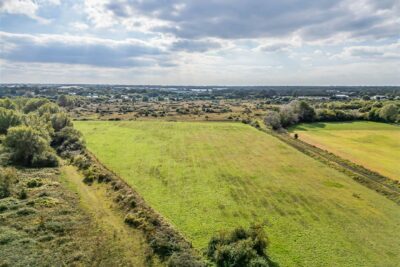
[(201, 42)]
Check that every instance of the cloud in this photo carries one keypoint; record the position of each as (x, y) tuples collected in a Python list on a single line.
[(28, 8), (369, 52), (67, 49), (235, 19), (195, 45)]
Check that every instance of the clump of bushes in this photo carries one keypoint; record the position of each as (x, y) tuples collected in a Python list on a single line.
[(26, 146), (240, 248), (8, 176)]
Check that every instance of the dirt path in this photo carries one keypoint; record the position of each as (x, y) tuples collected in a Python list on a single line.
[(129, 242)]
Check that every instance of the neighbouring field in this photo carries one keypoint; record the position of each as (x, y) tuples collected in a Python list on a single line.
[(375, 146), (205, 177)]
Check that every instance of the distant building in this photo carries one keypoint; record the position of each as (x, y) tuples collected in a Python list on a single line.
[(379, 97)]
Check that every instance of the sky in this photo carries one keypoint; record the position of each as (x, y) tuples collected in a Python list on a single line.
[(201, 42)]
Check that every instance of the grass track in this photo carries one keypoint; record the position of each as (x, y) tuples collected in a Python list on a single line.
[(376, 146), (204, 177)]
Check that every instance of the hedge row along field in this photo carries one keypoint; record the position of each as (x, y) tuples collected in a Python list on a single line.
[(205, 177), (375, 146)]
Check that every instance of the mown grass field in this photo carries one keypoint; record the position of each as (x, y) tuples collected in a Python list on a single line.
[(205, 177), (375, 146)]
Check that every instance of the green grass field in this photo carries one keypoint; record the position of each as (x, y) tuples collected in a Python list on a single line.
[(204, 177), (375, 146)]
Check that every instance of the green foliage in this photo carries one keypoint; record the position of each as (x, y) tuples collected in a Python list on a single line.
[(49, 108), (33, 104), (8, 176), (68, 140), (66, 101), (7, 104), (60, 121), (8, 118), (389, 113), (305, 112), (240, 248), (27, 147)]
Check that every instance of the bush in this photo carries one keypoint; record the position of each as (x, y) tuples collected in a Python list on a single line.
[(33, 104), (163, 244), (132, 219), (7, 104), (7, 177), (27, 147), (8, 118), (81, 162), (389, 113), (273, 120), (239, 248), (68, 140), (60, 121), (49, 108)]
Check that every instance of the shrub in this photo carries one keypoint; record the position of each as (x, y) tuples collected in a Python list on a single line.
[(33, 104), (34, 183), (60, 121), (68, 140), (273, 120), (7, 178), (22, 194), (49, 108), (163, 244), (7, 104), (82, 162), (239, 248), (8, 118), (25, 146), (388, 113), (132, 219)]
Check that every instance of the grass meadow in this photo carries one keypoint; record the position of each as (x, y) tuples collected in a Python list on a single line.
[(204, 177), (375, 146)]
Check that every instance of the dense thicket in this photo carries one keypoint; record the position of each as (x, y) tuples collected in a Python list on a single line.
[(31, 129)]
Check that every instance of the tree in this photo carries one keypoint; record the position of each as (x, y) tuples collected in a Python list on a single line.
[(288, 116), (388, 113), (8, 118), (7, 178), (25, 145), (305, 112), (65, 101), (273, 120)]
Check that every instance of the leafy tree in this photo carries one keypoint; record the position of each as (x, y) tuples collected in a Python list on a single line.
[(305, 112), (26, 146), (273, 120), (388, 113), (8, 118)]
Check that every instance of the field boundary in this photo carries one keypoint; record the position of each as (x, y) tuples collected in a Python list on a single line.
[(373, 180)]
